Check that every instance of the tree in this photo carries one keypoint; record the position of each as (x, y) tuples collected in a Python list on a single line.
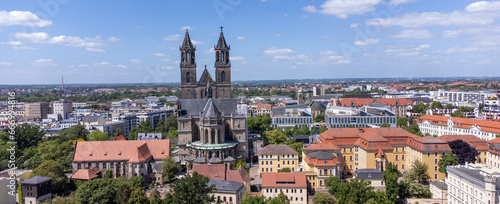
[(109, 173), (118, 132), (20, 192), (322, 129), (449, 106), (384, 124), (193, 188), (138, 196), (463, 151), (304, 130), (390, 177), (356, 191), (73, 133), (333, 184), (171, 121), (71, 199), (27, 135), (282, 198), (449, 159), (274, 137), (53, 170), (96, 191), (418, 172), (323, 198), (297, 146), (97, 135), (288, 132), (242, 164), (286, 169), (136, 181), (170, 170), (251, 199), (155, 197), (161, 126), (319, 118), (51, 149), (123, 189), (436, 104)]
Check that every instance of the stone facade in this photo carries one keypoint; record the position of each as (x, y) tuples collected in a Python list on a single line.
[(193, 89)]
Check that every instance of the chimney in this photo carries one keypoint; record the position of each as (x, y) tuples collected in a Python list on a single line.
[(361, 130)]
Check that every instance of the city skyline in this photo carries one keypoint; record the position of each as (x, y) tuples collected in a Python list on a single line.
[(132, 42)]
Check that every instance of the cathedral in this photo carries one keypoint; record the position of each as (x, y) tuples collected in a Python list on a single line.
[(212, 126), (193, 89)]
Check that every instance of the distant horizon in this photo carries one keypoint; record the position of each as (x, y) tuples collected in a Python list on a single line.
[(378, 79), (138, 42)]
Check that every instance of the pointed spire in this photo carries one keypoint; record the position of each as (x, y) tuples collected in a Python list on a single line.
[(187, 41), (222, 40)]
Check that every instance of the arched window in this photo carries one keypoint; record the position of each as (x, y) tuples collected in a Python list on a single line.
[(187, 57), (188, 78), (213, 136), (223, 76), (222, 56), (206, 136)]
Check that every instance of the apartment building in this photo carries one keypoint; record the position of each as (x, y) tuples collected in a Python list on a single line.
[(445, 125), (367, 116), (320, 161), (374, 148), (272, 158), (63, 108), (290, 116), (473, 183), (37, 110), (292, 184)]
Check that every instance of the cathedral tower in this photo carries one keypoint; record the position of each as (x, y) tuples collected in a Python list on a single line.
[(222, 68), (188, 68)]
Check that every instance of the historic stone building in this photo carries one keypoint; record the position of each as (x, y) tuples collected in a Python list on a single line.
[(212, 126), (193, 89)]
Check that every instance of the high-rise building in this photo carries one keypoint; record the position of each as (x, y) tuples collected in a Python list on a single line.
[(63, 108), (37, 110)]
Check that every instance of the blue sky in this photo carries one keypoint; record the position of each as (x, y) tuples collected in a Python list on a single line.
[(137, 41)]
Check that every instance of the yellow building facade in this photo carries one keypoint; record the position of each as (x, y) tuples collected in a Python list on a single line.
[(273, 158)]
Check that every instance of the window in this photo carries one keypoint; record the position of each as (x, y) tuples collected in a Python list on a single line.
[(436, 154), (350, 158), (435, 168), (397, 148), (403, 157), (428, 154), (435, 161), (396, 166), (435, 176), (350, 167), (403, 166), (397, 157)]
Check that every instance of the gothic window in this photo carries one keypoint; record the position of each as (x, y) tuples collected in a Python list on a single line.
[(223, 76), (188, 78), (206, 136), (213, 136), (222, 56), (187, 57)]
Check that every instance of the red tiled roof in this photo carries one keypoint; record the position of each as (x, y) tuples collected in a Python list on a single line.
[(212, 171), (129, 150), (465, 123), (239, 175), (379, 153), (284, 179), (322, 146), (494, 141), (358, 102), (473, 141), (119, 138), (86, 174)]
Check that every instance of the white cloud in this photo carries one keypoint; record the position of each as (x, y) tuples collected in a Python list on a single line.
[(166, 60), (484, 61), (159, 54), (24, 18), (398, 2), (241, 38), (277, 34), (94, 49), (122, 66), (324, 37), (276, 51), (13, 43), (186, 28), (344, 61), (172, 37), (475, 14), (83, 65), (44, 62), (113, 39), (407, 51), (343, 8), (5, 64), (451, 33), (310, 8), (413, 33), (196, 42), (211, 50), (236, 58), (330, 57), (91, 44), (369, 41), (483, 6), (103, 64), (135, 60), (354, 25)]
